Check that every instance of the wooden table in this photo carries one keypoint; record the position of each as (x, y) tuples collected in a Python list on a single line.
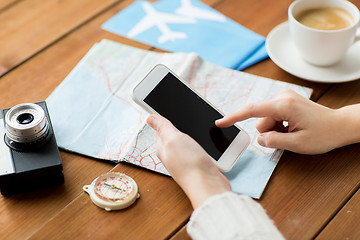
[(41, 42)]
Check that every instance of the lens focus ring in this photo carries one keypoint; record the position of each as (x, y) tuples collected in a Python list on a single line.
[(25, 123)]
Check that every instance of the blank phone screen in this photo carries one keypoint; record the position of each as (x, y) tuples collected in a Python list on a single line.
[(190, 114)]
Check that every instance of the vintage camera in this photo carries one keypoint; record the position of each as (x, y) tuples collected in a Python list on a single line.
[(29, 156)]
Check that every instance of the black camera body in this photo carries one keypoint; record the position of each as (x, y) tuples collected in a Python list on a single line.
[(29, 155)]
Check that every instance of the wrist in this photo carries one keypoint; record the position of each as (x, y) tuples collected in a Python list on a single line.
[(348, 122), (202, 186)]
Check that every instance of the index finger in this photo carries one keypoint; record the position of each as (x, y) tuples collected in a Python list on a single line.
[(259, 109)]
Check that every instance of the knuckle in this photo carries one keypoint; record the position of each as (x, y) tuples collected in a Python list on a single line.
[(250, 108), (286, 102)]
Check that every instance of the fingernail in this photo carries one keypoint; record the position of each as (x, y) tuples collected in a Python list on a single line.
[(261, 140), (219, 120), (152, 121)]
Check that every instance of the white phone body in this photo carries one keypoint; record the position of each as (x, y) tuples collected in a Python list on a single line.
[(192, 114)]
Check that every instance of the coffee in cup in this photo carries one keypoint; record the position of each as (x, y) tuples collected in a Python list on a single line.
[(325, 18), (323, 30)]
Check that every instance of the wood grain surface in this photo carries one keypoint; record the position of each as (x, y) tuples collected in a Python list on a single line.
[(4, 4), (42, 41), (32, 25)]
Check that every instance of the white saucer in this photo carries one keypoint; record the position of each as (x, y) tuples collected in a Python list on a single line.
[(283, 53)]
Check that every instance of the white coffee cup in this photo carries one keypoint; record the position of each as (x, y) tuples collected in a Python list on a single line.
[(323, 47)]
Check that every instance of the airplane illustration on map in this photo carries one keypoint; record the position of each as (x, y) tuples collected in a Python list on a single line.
[(186, 14)]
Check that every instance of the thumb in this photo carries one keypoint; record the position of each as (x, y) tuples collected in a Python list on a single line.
[(160, 124), (280, 140)]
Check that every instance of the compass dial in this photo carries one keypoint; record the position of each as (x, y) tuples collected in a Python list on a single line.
[(113, 191), (114, 186)]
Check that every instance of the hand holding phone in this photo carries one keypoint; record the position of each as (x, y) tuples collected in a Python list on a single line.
[(162, 92), (187, 162)]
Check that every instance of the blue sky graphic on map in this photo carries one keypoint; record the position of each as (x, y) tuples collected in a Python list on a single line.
[(190, 26)]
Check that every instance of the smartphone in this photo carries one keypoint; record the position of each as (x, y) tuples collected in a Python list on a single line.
[(164, 93)]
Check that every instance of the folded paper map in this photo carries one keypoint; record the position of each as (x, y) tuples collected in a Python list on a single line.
[(93, 114), (190, 26)]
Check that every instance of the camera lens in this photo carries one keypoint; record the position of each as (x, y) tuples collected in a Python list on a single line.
[(25, 118), (25, 123)]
